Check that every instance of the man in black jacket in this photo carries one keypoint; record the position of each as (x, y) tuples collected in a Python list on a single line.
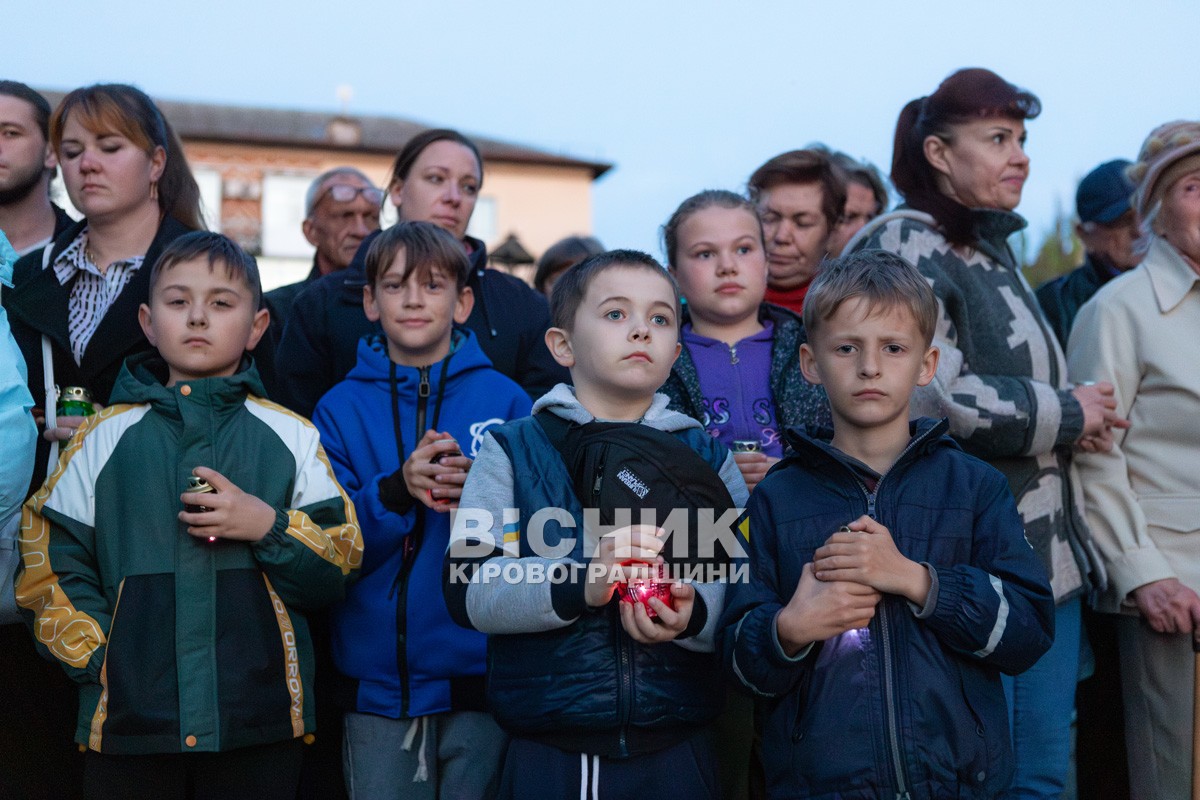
[(341, 209), (1108, 228)]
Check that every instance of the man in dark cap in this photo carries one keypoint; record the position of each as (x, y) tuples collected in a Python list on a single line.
[(1108, 228)]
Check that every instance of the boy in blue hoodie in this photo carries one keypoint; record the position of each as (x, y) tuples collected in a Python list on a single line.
[(890, 580), (599, 697), (402, 431)]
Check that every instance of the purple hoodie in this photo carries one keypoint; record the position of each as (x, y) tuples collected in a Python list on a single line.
[(735, 382)]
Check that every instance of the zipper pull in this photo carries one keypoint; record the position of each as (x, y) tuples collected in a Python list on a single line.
[(733, 359), (423, 388)]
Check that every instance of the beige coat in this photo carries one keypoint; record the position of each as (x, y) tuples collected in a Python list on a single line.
[(1142, 332)]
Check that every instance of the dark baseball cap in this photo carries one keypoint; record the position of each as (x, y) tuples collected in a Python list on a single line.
[(1104, 193)]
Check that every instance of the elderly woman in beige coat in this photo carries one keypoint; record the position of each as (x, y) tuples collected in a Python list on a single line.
[(1142, 333)]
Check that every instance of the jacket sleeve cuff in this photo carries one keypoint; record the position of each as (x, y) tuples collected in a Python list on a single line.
[(1136, 568), (1071, 426), (567, 597), (698, 620), (394, 494), (931, 599), (777, 646)]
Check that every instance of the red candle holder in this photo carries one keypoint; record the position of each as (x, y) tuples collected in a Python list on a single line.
[(640, 590)]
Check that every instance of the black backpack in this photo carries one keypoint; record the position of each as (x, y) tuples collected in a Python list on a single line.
[(628, 465)]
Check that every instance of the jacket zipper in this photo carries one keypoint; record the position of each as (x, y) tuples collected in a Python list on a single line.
[(885, 633), (623, 643), (411, 544), (625, 697), (422, 401)]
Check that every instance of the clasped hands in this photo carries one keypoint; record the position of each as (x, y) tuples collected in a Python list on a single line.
[(847, 577)]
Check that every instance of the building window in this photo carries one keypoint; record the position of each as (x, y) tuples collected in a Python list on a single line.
[(282, 215), (209, 181), (483, 221)]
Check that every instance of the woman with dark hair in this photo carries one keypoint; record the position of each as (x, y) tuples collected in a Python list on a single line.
[(960, 164), (74, 314), (436, 178)]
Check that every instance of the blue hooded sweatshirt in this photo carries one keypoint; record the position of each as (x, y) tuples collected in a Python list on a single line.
[(393, 635)]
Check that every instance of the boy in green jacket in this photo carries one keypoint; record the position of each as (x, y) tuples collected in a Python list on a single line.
[(180, 615)]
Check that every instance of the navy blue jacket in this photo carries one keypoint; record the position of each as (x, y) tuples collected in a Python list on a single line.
[(586, 686), (393, 636), (319, 344), (905, 704)]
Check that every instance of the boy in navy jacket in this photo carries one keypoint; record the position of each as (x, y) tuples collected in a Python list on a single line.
[(599, 697), (890, 579), (401, 432)]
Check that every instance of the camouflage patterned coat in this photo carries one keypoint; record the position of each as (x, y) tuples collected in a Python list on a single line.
[(1002, 380)]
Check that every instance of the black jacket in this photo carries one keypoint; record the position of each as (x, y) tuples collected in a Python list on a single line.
[(1062, 297), (38, 305), (320, 341), (279, 303)]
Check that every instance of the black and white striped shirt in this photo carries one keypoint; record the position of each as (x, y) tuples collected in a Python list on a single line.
[(93, 292)]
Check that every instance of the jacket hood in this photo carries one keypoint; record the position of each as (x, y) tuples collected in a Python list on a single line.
[(143, 380), (374, 365), (562, 402)]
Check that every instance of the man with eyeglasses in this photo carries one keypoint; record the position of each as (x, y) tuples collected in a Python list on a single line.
[(341, 208)]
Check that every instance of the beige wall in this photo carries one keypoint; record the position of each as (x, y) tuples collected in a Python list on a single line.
[(539, 204)]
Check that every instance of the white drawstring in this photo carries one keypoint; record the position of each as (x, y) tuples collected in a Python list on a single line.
[(418, 724), (583, 778)]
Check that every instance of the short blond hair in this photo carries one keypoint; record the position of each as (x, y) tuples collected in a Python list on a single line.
[(884, 279)]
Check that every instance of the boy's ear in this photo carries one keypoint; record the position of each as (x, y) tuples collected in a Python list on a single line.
[(464, 305), (808, 365), (559, 343), (144, 321), (929, 365), (372, 310), (262, 319)]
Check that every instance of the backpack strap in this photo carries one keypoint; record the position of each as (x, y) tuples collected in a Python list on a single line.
[(50, 406), (556, 429)]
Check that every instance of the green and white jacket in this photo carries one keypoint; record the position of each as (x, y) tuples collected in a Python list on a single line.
[(179, 644), (1001, 380)]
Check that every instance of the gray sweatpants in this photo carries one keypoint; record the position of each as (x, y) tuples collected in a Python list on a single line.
[(451, 756)]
